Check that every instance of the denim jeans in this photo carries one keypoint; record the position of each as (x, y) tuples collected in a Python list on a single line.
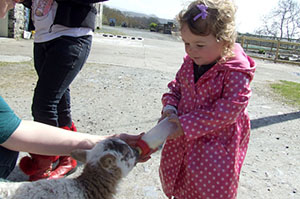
[(7, 161), (57, 62)]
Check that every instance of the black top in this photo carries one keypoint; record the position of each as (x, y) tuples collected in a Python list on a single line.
[(200, 70), (71, 13)]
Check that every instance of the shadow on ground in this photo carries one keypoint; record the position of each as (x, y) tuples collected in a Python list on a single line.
[(274, 119)]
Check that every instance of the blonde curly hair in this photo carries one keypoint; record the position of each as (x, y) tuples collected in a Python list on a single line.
[(220, 22)]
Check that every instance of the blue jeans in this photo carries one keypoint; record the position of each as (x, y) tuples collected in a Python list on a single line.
[(57, 62), (7, 161)]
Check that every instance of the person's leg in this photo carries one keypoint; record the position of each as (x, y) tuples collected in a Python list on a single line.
[(8, 161), (64, 110), (42, 110), (38, 166), (67, 164), (57, 63), (64, 58)]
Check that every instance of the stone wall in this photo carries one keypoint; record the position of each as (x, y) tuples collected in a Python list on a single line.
[(16, 21)]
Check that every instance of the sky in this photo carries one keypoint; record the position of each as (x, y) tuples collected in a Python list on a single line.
[(248, 16)]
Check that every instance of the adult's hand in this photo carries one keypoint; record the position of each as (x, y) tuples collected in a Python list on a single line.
[(146, 157), (131, 140)]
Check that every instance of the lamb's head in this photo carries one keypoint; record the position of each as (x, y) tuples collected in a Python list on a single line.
[(111, 154)]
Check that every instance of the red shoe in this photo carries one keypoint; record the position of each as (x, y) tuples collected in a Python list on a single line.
[(37, 166), (40, 166), (73, 127), (66, 166)]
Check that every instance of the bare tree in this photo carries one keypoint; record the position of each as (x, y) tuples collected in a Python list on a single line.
[(282, 21)]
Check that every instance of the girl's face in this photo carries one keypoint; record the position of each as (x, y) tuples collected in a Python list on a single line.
[(203, 50)]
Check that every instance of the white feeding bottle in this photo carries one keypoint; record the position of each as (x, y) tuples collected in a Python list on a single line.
[(156, 136)]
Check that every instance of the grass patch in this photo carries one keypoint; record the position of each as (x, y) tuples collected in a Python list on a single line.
[(290, 91)]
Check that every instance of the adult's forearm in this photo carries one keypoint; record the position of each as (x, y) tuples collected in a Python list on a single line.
[(5, 6), (34, 137)]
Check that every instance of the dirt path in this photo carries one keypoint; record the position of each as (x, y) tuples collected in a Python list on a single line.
[(123, 96)]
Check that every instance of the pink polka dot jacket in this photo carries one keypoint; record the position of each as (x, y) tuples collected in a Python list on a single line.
[(206, 162)]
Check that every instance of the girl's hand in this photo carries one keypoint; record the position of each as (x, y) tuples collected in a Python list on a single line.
[(179, 131), (166, 113)]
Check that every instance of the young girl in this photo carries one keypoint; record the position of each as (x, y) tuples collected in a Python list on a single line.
[(208, 100)]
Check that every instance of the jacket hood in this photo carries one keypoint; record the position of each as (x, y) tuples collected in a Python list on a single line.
[(240, 62)]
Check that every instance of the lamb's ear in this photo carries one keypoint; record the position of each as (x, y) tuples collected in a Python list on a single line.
[(79, 154), (108, 161)]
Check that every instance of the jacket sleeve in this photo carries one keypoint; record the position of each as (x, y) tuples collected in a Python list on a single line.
[(173, 96), (223, 112)]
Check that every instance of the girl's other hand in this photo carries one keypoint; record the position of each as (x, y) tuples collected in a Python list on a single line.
[(179, 131)]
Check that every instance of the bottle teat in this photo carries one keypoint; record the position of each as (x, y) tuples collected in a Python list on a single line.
[(142, 147)]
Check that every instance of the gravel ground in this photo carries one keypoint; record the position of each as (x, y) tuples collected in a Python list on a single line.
[(120, 92)]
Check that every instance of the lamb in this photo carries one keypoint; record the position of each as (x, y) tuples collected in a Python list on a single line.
[(105, 165)]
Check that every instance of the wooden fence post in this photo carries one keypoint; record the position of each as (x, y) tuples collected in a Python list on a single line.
[(277, 51), (243, 40)]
